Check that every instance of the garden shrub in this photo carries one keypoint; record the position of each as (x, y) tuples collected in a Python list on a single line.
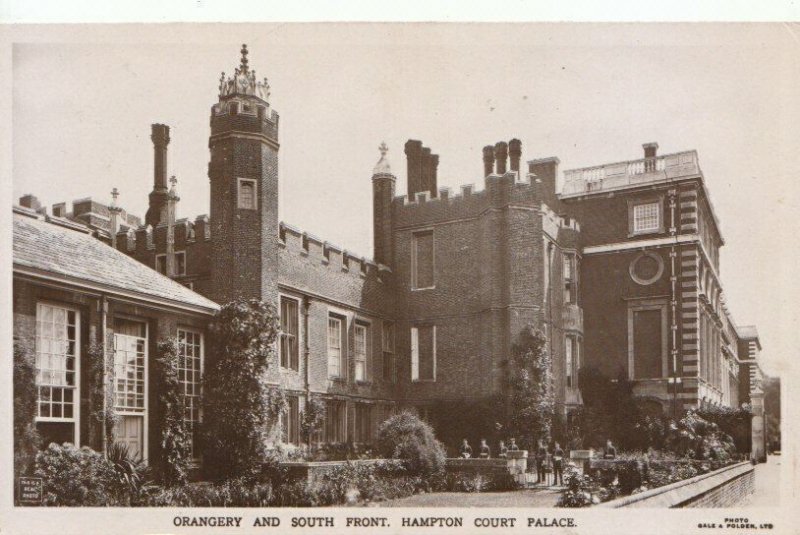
[(74, 476), (404, 436), (175, 452), (466, 482), (581, 489), (697, 438), (232, 493), (26, 438), (132, 475), (235, 400)]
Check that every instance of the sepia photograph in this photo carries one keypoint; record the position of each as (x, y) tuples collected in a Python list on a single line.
[(529, 271)]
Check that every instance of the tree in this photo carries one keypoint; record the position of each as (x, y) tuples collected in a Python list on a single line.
[(236, 399), (531, 399)]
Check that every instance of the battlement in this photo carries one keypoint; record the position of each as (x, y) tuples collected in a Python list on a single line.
[(145, 237), (316, 250), (497, 191)]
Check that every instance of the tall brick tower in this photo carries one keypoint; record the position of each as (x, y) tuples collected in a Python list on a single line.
[(383, 182), (243, 172)]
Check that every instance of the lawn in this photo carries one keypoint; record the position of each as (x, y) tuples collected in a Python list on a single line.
[(514, 498)]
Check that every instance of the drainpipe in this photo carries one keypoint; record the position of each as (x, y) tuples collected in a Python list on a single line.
[(306, 352), (306, 349), (104, 342)]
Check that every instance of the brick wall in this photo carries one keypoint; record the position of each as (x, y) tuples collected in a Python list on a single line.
[(726, 487)]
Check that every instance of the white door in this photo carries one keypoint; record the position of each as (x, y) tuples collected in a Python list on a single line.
[(130, 432)]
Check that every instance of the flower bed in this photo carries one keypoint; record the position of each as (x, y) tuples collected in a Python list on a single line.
[(606, 480)]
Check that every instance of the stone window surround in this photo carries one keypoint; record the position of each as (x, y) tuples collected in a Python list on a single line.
[(649, 304)]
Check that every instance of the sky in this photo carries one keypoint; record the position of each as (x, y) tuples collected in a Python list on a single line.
[(83, 100)]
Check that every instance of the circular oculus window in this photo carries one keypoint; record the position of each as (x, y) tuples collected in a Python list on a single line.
[(646, 268)]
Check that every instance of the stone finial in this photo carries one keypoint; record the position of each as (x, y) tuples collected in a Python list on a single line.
[(172, 182), (243, 64), (383, 167), (113, 208)]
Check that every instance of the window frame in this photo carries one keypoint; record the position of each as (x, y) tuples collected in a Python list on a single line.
[(644, 305), (414, 265), (342, 321), (254, 183), (293, 360), (415, 377), (76, 388), (199, 384), (388, 354), (290, 422), (144, 413), (363, 431), (161, 256), (358, 325), (633, 204), (180, 272), (341, 425)]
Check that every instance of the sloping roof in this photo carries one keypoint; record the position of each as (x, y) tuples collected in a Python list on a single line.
[(77, 257)]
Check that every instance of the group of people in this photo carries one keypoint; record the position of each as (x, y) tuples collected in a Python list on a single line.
[(541, 456)]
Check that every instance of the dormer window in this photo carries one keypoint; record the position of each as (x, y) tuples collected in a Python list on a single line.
[(247, 194)]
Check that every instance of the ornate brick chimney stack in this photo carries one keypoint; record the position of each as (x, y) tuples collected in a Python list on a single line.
[(501, 155), (158, 197), (422, 169), (488, 160), (515, 152)]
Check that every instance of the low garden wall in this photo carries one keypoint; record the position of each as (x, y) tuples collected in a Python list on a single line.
[(724, 487), (312, 471)]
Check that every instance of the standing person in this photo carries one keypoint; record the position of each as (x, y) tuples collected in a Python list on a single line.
[(541, 459), (558, 465), (503, 450), (611, 451), (512, 445), (466, 450), (485, 452)]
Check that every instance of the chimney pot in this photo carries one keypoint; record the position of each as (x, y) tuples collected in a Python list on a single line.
[(650, 149)]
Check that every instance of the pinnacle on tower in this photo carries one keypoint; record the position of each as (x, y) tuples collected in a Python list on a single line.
[(382, 167), (243, 65)]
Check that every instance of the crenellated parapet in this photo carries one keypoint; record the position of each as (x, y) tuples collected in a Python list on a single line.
[(317, 252), (146, 238), (499, 191), (565, 230)]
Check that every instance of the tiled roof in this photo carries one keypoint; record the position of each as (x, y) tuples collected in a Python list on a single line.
[(77, 257)]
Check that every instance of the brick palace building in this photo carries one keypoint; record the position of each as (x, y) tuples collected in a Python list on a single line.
[(619, 267)]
